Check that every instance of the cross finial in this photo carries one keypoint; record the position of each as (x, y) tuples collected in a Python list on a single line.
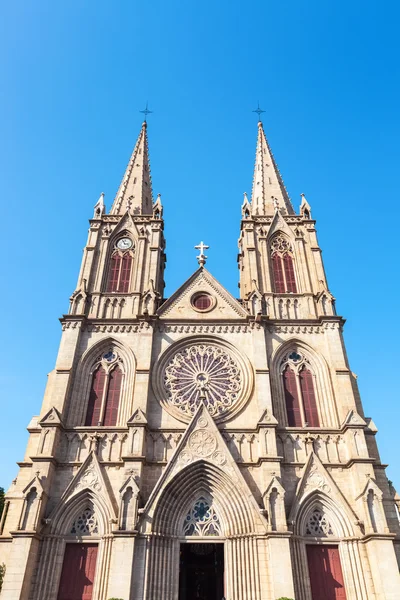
[(201, 258), (259, 111), (146, 112)]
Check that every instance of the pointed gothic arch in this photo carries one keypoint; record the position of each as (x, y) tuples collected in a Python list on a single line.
[(320, 521), (65, 514), (85, 515), (283, 264), (119, 262), (203, 478), (338, 516), (239, 525), (318, 375), (100, 356)]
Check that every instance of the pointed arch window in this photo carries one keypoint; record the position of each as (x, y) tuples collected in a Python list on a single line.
[(120, 267), (283, 274), (202, 519), (299, 390), (105, 392)]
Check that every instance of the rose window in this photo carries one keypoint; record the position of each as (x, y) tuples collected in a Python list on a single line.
[(202, 520), (203, 373), (318, 525), (85, 523)]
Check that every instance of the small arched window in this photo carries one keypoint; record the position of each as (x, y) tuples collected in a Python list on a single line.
[(105, 392), (299, 391), (283, 275)]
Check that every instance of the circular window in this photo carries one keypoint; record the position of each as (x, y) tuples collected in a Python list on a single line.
[(192, 372), (202, 302)]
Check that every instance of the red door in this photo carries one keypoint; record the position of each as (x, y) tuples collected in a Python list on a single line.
[(326, 575), (77, 575)]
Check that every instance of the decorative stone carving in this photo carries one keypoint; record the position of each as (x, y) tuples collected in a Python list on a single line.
[(316, 480), (89, 479), (202, 373), (318, 525), (85, 524), (202, 443), (202, 520)]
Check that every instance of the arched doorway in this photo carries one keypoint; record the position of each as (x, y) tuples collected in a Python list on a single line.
[(203, 529)]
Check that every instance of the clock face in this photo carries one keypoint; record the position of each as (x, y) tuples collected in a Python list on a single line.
[(124, 243)]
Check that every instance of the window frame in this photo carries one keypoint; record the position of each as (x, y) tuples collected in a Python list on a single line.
[(297, 367), (287, 269), (109, 369)]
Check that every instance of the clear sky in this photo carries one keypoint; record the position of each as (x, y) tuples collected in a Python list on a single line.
[(74, 76)]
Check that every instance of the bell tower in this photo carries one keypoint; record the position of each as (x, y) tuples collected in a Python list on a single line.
[(280, 262), (122, 272)]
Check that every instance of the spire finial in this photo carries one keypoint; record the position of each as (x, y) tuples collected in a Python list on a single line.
[(259, 111), (201, 258), (146, 112)]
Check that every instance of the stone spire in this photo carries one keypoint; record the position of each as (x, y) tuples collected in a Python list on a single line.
[(269, 191), (135, 192)]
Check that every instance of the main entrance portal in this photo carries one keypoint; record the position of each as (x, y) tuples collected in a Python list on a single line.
[(201, 574)]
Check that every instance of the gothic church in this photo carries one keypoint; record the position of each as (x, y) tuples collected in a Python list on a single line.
[(201, 447)]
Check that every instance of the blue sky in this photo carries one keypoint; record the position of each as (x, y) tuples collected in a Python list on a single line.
[(74, 76)]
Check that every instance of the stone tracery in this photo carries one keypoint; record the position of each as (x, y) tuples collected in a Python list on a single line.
[(85, 523), (203, 373), (318, 524), (202, 519)]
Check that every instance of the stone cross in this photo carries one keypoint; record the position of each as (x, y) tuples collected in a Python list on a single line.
[(201, 258)]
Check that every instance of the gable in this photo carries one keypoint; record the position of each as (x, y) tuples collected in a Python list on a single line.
[(223, 304), (202, 444)]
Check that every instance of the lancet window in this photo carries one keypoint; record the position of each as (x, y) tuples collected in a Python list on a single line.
[(120, 267), (202, 519), (299, 389), (283, 275), (105, 391)]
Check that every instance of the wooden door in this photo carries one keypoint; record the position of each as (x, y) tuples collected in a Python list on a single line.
[(325, 571), (78, 571)]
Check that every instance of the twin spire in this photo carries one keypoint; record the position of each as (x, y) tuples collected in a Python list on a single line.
[(136, 196), (135, 192), (269, 192)]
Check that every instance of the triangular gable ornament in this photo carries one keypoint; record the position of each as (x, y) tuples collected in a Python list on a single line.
[(179, 304), (274, 483), (267, 418), (90, 476), (316, 478), (371, 485), (34, 483), (51, 418), (138, 418), (353, 419), (130, 482), (202, 440), (279, 225)]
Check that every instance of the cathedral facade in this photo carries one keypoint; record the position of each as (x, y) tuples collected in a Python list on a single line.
[(201, 447)]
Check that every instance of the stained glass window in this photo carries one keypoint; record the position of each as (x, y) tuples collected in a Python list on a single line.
[(85, 523), (202, 520), (203, 373), (318, 524)]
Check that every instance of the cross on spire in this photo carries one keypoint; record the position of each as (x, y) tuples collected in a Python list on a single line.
[(259, 111), (201, 258), (146, 112)]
